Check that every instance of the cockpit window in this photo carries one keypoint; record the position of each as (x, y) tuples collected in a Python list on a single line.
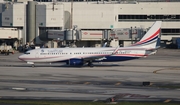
[(27, 53)]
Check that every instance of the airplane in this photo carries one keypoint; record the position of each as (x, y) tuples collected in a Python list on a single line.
[(148, 45)]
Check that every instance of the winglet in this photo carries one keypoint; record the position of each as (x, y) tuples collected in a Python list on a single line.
[(105, 44)]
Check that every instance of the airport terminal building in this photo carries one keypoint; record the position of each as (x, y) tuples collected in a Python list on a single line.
[(86, 23)]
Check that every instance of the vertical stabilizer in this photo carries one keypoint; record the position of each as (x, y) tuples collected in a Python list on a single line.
[(150, 39)]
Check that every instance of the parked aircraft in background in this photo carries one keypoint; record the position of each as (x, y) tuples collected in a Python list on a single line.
[(81, 56)]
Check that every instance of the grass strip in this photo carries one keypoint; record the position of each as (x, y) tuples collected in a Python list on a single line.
[(38, 102)]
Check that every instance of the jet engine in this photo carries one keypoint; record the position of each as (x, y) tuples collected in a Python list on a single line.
[(75, 62)]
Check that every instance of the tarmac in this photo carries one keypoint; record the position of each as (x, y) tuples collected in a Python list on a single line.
[(155, 78)]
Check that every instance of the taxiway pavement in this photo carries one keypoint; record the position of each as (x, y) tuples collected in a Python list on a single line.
[(19, 80)]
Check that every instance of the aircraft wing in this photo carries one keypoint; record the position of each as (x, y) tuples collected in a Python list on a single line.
[(100, 57), (96, 57)]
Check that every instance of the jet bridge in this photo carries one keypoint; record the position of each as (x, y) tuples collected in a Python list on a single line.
[(10, 33)]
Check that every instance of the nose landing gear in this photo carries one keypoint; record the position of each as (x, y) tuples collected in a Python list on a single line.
[(32, 64)]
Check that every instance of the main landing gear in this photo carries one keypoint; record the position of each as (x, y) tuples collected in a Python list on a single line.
[(90, 64), (33, 65)]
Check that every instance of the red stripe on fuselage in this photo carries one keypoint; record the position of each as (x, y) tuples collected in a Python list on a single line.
[(39, 58)]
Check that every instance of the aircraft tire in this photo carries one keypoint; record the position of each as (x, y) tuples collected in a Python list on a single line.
[(91, 65), (33, 65)]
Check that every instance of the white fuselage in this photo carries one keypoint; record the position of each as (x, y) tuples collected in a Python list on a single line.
[(64, 54)]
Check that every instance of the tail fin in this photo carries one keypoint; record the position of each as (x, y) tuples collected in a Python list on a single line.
[(150, 39)]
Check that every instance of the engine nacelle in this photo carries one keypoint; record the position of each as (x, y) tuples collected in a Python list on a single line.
[(75, 62)]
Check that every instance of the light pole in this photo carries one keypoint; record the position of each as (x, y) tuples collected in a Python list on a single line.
[(71, 18), (136, 33), (131, 35)]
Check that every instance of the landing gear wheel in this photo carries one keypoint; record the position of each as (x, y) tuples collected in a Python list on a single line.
[(33, 65), (90, 64)]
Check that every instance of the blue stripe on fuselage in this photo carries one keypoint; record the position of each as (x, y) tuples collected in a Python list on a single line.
[(112, 59), (118, 58)]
